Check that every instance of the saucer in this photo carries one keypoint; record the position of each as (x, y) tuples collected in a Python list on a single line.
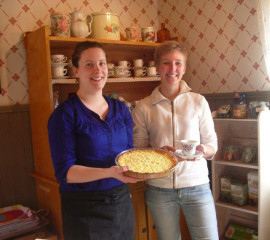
[(60, 77), (141, 67), (198, 154), (59, 64)]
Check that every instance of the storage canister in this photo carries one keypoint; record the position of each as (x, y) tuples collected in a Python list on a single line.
[(105, 26), (60, 24), (132, 33), (148, 34), (239, 111)]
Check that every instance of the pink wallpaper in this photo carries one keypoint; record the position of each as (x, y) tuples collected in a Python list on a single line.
[(223, 41), (221, 35)]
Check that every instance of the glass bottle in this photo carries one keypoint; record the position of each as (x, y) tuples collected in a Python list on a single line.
[(163, 34)]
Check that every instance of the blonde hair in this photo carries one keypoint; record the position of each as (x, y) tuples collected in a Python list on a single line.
[(167, 47)]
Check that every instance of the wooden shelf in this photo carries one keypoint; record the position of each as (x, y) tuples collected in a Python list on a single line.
[(110, 80), (70, 42), (246, 208), (236, 119), (237, 163)]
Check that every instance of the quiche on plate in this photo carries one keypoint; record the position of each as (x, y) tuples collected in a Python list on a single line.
[(147, 163)]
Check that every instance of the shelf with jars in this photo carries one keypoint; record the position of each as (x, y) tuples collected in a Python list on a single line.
[(239, 182)]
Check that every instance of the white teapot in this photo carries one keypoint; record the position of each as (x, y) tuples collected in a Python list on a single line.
[(80, 24)]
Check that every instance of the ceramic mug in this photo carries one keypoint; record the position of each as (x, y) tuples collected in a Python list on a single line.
[(121, 71), (110, 72), (58, 58), (189, 147), (138, 62), (151, 71), (60, 25), (139, 72), (124, 63), (132, 34), (151, 63), (148, 34), (110, 65), (59, 71)]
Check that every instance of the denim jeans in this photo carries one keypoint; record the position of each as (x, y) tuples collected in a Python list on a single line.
[(198, 207)]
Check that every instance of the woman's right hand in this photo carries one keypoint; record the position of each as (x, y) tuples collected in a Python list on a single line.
[(118, 173)]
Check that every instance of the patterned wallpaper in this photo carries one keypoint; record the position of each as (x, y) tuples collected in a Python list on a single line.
[(223, 41), (221, 35)]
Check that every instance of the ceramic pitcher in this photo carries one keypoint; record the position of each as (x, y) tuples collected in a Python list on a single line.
[(80, 24)]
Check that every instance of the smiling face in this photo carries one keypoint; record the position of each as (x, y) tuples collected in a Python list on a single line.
[(92, 70), (171, 68)]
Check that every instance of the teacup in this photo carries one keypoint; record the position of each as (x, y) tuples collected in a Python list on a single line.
[(138, 62), (151, 71), (121, 71), (189, 147), (148, 34), (59, 71), (151, 63), (110, 65), (58, 58), (110, 72), (132, 34), (124, 63), (139, 72)]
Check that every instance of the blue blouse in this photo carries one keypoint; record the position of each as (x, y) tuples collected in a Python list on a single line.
[(78, 136)]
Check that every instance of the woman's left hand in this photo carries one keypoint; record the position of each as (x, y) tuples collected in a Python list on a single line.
[(118, 173)]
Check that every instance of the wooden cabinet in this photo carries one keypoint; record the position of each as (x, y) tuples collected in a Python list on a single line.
[(243, 132), (39, 46)]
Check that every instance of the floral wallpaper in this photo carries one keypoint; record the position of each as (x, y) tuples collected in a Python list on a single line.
[(225, 53)]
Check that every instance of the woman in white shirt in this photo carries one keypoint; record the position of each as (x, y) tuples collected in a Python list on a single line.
[(172, 113)]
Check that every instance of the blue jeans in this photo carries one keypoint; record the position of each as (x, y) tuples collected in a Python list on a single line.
[(198, 207)]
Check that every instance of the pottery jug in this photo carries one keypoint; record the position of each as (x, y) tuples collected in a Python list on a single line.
[(80, 24)]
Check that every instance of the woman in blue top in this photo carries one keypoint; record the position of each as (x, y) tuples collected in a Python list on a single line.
[(86, 132)]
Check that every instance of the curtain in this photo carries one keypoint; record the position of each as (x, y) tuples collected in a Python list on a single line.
[(263, 10)]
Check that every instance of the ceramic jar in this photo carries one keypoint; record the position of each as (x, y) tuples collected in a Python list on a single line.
[(148, 34), (80, 24), (60, 25), (105, 26), (132, 34)]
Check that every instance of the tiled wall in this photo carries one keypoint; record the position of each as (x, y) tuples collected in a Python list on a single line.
[(221, 35)]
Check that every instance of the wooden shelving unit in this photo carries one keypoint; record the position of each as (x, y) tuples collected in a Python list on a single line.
[(39, 46), (243, 132)]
